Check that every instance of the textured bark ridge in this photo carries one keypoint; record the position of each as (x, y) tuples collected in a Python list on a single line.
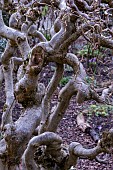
[(31, 143)]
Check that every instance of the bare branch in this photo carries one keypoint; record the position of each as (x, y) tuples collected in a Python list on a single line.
[(9, 89), (49, 139), (104, 41), (15, 36), (49, 92), (64, 32), (73, 37), (64, 98), (1, 75), (38, 34)]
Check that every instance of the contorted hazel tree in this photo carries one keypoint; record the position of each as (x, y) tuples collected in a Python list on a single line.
[(31, 143)]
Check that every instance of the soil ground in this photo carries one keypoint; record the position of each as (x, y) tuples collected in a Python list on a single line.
[(68, 128)]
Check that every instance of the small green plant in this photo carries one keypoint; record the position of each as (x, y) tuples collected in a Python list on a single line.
[(48, 36), (91, 55), (91, 81), (64, 80), (84, 51), (100, 110), (44, 10), (88, 50)]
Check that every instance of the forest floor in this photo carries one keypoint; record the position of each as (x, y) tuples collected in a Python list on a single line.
[(99, 116)]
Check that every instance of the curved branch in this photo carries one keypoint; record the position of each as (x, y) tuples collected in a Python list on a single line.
[(103, 161), (104, 41), (15, 36), (79, 151), (82, 5), (77, 86), (8, 32), (59, 37), (64, 98), (71, 60), (38, 34), (1, 75), (32, 31), (19, 134), (76, 150), (48, 139), (26, 91), (51, 2), (74, 36), (49, 92), (66, 26), (17, 61), (109, 2), (9, 89)]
